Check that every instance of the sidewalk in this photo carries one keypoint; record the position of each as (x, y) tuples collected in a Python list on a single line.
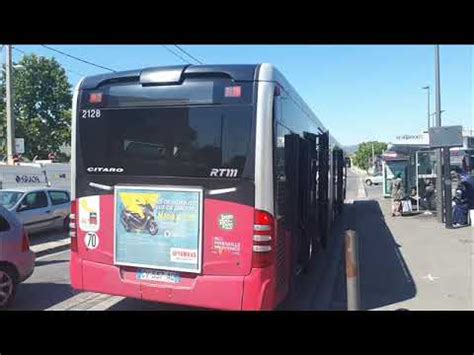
[(409, 262)]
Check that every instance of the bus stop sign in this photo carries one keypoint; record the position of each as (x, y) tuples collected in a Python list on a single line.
[(445, 136)]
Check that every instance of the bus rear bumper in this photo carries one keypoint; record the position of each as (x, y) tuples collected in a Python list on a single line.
[(259, 290), (251, 292)]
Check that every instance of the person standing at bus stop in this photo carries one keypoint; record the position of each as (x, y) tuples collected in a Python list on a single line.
[(397, 195)]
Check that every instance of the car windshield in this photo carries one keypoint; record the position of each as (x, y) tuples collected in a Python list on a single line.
[(8, 199)]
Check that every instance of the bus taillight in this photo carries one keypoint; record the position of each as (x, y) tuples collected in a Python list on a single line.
[(263, 236), (72, 226)]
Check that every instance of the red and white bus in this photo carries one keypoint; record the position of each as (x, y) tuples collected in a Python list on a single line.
[(253, 178)]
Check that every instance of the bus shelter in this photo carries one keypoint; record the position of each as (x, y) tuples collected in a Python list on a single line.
[(392, 164)]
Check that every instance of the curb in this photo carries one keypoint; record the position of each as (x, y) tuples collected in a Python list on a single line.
[(53, 249)]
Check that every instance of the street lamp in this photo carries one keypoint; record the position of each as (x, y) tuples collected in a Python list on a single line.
[(15, 66), (427, 88)]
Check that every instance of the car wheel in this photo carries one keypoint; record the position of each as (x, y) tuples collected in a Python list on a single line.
[(368, 182), (8, 286)]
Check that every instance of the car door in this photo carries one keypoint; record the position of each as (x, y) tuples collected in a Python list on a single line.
[(34, 211), (378, 179), (60, 206), (10, 239)]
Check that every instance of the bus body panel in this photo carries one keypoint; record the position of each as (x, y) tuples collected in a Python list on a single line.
[(226, 250), (209, 291), (260, 290), (75, 271), (264, 147), (107, 278), (220, 292)]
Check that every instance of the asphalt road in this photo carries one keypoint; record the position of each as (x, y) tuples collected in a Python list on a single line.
[(49, 286)]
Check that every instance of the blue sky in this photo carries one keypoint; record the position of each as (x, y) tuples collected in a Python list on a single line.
[(359, 92)]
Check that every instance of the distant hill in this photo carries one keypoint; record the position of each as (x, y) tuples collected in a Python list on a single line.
[(350, 149)]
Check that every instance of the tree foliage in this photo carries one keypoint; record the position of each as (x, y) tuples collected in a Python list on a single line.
[(42, 105), (364, 153)]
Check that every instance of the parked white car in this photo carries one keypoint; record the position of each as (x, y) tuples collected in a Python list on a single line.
[(39, 209), (374, 179)]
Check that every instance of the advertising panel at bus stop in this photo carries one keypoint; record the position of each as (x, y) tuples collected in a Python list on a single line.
[(158, 228)]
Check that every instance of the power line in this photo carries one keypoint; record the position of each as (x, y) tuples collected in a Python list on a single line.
[(188, 54), (76, 58), (176, 54), (65, 68)]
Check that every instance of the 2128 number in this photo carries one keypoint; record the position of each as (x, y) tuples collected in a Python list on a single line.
[(91, 113)]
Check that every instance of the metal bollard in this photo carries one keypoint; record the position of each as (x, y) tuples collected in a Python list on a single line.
[(352, 270)]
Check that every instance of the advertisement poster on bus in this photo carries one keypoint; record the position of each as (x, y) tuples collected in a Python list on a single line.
[(158, 227)]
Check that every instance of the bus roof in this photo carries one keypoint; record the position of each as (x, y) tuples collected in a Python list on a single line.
[(167, 75), (171, 74)]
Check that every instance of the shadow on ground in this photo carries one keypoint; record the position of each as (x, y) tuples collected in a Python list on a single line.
[(131, 304), (47, 236), (384, 275), (41, 295)]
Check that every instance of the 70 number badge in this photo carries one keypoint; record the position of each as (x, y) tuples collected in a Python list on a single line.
[(91, 240)]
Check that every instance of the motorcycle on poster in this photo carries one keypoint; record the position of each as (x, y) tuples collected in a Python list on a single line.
[(158, 227)]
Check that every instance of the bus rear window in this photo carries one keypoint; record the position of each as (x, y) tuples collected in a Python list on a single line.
[(190, 92), (168, 141)]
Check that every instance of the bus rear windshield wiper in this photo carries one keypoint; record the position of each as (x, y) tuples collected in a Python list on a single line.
[(101, 187)]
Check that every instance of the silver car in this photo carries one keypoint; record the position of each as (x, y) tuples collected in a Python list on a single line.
[(17, 261), (39, 209), (374, 179)]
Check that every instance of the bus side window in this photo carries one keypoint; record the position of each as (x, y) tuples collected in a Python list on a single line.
[(280, 173)]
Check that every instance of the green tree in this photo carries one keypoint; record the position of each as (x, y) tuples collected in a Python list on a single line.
[(42, 105), (364, 153)]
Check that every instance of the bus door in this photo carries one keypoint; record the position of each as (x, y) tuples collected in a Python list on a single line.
[(339, 181), (293, 197), (312, 193), (323, 184), (305, 201)]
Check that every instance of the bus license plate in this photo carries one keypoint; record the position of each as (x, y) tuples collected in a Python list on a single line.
[(154, 275)]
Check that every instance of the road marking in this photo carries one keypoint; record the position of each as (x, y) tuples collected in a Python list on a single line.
[(87, 301), (50, 245), (107, 303), (430, 277), (74, 301), (51, 255)]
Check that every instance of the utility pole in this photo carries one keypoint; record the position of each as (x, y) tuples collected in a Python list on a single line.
[(10, 113), (428, 90), (439, 155), (433, 120)]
